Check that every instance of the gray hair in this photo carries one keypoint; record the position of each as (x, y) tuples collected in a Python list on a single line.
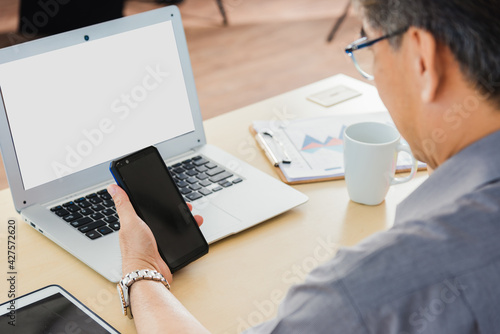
[(469, 28)]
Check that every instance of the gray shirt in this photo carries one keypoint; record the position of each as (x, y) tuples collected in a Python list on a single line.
[(435, 271)]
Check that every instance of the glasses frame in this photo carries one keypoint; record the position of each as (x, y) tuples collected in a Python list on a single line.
[(364, 42)]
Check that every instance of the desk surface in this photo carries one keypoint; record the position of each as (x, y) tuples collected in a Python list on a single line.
[(243, 278)]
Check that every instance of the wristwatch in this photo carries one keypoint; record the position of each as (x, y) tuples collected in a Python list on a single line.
[(129, 279)]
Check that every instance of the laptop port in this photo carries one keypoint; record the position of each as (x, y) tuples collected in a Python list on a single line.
[(34, 226)]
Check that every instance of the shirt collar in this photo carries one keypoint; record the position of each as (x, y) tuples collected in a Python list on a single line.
[(469, 169)]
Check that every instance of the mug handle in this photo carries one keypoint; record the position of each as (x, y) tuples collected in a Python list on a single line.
[(399, 180)]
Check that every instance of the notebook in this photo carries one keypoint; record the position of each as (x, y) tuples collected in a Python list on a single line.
[(72, 102)]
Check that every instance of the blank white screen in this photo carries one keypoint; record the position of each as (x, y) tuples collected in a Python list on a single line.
[(83, 105)]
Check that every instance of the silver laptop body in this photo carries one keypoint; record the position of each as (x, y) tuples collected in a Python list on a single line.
[(72, 102)]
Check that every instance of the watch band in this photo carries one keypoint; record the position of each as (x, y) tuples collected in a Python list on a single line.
[(124, 285)]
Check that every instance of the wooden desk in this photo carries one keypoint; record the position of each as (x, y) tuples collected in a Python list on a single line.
[(243, 278)]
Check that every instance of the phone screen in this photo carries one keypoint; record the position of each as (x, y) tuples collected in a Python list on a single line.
[(156, 199)]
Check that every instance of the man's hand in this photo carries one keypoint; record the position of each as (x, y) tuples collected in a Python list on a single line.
[(137, 243), (156, 310)]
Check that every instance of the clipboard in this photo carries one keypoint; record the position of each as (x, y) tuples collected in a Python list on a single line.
[(280, 173), (311, 149)]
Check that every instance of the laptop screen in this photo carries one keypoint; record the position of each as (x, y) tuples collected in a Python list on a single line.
[(80, 106)]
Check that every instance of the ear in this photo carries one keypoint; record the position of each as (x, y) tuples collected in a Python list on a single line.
[(426, 62)]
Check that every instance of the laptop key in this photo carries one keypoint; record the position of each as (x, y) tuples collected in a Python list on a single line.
[(84, 204), (185, 191), (106, 196), (217, 189), (98, 207), (108, 212), (178, 170), (96, 216), (182, 184), (115, 226), (205, 192), (181, 176), (91, 195), (93, 235), (177, 165), (194, 196), (195, 187), (110, 219), (101, 192), (210, 165), (202, 176), (95, 200), (201, 169), (81, 222), (73, 208), (188, 166), (109, 203), (73, 216), (205, 183), (192, 180), (54, 209), (226, 184), (86, 212), (192, 172), (91, 226), (68, 204), (214, 171), (220, 177), (200, 162), (238, 180), (198, 157), (62, 212), (104, 230)]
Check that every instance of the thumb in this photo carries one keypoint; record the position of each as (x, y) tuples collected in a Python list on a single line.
[(122, 203)]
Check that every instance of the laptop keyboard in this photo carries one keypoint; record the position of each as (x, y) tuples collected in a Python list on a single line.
[(198, 177), (94, 215)]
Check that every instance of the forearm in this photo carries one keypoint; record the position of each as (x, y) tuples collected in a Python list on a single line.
[(156, 310)]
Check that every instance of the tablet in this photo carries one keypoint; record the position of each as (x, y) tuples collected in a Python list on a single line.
[(50, 310)]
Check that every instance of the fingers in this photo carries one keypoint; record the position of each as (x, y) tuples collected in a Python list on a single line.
[(122, 203), (137, 243), (199, 219)]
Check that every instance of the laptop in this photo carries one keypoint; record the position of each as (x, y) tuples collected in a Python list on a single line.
[(73, 102)]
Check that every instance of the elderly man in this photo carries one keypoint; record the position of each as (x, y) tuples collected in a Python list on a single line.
[(437, 69)]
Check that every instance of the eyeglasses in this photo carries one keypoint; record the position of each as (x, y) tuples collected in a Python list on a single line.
[(365, 58)]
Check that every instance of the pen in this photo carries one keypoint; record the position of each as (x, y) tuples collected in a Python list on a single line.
[(267, 150), (286, 159)]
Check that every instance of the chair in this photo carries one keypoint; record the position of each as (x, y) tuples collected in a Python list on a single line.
[(47, 18), (339, 22), (222, 12)]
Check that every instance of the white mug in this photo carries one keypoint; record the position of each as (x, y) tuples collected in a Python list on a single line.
[(370, 156)]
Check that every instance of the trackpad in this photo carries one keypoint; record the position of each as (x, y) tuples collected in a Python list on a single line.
[(216, 223)]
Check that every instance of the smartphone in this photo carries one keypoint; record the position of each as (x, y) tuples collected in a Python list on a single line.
[(157, 200)]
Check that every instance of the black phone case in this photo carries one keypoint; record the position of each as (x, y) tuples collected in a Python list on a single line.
[(114, 169)]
